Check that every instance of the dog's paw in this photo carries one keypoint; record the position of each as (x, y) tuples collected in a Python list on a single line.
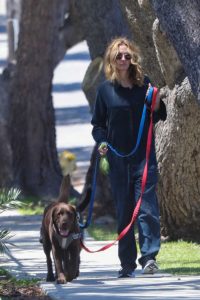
[(50, 278), (61, 279), (72, 276)]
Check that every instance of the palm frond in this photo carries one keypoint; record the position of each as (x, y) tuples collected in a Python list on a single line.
[(4, 237), (9, 199)]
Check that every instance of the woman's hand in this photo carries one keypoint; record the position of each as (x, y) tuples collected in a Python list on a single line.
[(103, 148), (157, 104)]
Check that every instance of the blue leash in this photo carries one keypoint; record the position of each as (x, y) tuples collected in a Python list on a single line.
[(148, 101), (94, 183)]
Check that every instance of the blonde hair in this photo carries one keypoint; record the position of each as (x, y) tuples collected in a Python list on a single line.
[(135, 71)]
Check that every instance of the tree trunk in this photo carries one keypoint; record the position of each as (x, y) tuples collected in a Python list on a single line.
[(181, 21), (177, 142), (101, 21), (5, 149), (32, 124)]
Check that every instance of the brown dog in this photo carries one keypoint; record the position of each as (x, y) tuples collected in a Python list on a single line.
[(60, 234)]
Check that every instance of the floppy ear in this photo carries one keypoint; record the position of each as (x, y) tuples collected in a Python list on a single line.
[(76, 219), (52, 217)]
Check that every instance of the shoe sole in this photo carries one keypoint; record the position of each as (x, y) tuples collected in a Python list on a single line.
[(150, 269), (126, 276)]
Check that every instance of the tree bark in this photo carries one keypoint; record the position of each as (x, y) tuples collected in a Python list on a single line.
[(177, 143), (71, 31), (101, 21), (32, 123), (140, 17), (181, 21), (5, 148)]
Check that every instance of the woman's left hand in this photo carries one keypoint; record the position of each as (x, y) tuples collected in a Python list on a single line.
[(157, 104)]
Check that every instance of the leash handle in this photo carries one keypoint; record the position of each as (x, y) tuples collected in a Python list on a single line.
[(144, 180)]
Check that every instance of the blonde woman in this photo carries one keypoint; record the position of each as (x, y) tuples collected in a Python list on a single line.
[(116, 120)]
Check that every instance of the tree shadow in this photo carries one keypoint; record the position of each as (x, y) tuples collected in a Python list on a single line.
[(66, 87), (183, 270), (77, 56), (72, 115), (3, 63)]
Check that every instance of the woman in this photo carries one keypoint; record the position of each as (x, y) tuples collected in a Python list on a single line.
[(116, 120)]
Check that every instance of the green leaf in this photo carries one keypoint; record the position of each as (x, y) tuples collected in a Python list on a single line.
[(4, 237), (9, 199)]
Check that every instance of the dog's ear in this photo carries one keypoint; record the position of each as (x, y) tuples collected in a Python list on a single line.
[(64, 189), (52, 216), (76, 219)]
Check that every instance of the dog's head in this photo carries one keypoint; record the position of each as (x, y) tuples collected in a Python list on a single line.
[(64, 219)]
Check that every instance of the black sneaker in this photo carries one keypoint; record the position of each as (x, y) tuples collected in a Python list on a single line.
[(126, 273), (150, 267)]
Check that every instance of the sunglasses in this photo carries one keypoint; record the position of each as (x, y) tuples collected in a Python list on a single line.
[(127, 56)]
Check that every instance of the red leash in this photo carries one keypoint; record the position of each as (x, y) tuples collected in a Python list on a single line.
[(144, 180)]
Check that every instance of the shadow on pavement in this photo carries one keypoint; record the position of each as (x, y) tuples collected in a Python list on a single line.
[(72, 115), (77, 56), (66, 87)]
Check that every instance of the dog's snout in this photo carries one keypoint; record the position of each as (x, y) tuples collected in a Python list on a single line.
[(64, 225)]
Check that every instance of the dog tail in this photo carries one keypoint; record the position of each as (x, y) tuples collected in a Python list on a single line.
[(65, 189)]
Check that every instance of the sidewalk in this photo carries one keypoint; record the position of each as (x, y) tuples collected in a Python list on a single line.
[(98, 271)]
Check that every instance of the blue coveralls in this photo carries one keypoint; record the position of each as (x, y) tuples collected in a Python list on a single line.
[(116, 120)]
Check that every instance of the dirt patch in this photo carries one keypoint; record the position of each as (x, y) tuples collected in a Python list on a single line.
[(9, 291)]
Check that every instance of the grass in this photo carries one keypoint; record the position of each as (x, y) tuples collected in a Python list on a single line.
[(103, 232), (17, 282), (32, 206), (178, 257), (35, 206), (4, 273)]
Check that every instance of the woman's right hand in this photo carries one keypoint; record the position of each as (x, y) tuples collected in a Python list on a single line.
[(103, 148)]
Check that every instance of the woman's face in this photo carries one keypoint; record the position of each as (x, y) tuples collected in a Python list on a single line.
[(123, 58)]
